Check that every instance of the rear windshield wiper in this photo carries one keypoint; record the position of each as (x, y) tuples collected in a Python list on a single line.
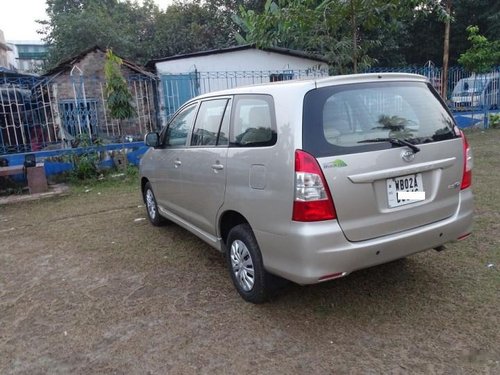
[(394, 141)]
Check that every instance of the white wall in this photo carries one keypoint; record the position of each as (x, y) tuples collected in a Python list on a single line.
[(243, 60), (227, 70)]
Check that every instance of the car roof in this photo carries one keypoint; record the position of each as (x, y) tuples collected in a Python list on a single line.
[(308, 84)]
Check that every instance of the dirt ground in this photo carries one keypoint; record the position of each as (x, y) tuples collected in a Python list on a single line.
[(88, 286)]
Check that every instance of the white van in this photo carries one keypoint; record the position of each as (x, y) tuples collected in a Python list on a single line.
[(477, 91)]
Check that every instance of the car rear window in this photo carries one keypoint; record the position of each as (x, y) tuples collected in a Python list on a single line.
[(351, 118)]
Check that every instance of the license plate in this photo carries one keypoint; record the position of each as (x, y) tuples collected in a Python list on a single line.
[(410, 189)]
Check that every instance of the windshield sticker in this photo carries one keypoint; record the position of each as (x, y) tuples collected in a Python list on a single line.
[(335, 164)]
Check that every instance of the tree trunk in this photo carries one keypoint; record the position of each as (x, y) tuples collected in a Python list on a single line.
[(354, 39), (446, 52)]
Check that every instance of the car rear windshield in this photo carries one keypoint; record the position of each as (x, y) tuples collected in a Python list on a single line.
[(362, 117)]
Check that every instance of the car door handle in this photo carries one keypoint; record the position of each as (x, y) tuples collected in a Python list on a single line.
[(217, 167), (177, 163)]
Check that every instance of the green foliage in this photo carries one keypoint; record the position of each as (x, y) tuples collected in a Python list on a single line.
[(343, 32), (74, 25), (298, 25), (483, 55), (118, 94), (350, 34), (139, 31), (132, 172), (423, 40), (354, 34), (192, 26), (107, 178), (494, 120), (337, 30), (85, 165)]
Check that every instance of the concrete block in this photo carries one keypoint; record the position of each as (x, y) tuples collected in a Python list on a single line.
[(37, 181)]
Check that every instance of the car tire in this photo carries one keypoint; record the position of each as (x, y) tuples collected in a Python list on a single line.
[(152, 207), (244, 261)]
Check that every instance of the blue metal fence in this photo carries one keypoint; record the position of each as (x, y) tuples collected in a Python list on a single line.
[(178, 88)]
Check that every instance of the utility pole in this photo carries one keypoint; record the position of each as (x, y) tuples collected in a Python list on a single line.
[(354, 38), (446, 51)]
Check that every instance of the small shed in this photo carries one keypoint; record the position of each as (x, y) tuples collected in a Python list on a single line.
[(185, 76), (77, 88)]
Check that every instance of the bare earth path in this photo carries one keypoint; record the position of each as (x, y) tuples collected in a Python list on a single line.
[(85, 288)]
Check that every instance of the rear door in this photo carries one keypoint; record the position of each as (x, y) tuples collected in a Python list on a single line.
[(353, 130)]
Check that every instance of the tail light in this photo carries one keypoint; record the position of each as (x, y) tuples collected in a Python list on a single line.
[(313, 201), (468, 163)]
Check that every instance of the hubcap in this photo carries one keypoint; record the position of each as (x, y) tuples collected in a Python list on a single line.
[(150, 203), (242, 265)]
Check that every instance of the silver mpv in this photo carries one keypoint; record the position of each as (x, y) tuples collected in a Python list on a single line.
[(312, 180)]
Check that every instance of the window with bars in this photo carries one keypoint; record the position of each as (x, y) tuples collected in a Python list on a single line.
[(79, 116)]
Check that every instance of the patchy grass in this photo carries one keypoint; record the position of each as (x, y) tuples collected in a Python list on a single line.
[(88, 286)]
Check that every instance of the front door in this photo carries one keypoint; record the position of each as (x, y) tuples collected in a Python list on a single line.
[(167, 182)]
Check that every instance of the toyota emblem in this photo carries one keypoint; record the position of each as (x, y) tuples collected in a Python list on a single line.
[(407, 155)]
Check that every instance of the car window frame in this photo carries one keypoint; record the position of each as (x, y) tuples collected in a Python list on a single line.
[(270, 100), (163, 135), (228, 106)]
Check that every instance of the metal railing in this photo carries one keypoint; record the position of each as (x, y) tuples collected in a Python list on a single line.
[(46, 113), (176, 89), (434, 74), (43, 113)]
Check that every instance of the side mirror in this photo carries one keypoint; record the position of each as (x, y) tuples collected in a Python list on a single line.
[(152, 139)]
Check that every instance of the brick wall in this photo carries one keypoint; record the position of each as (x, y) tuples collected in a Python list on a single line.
[(91, 85)]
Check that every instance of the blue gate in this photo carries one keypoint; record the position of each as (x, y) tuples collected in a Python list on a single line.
[(177, 89)]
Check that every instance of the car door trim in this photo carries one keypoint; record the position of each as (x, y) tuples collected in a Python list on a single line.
[(212, 240)]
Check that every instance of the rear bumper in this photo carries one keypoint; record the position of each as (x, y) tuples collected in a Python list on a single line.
[(312, 250)]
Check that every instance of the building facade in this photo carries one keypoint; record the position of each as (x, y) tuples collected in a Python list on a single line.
[(28, 56)]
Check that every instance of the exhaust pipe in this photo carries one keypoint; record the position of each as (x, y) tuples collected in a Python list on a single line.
[(440, 248)]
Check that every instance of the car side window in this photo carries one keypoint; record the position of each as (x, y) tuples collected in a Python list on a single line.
[(208, 122), (253, 121), (178, 129)]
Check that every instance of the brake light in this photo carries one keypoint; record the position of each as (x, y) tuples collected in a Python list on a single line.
[(312, 201), (468, 163)]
